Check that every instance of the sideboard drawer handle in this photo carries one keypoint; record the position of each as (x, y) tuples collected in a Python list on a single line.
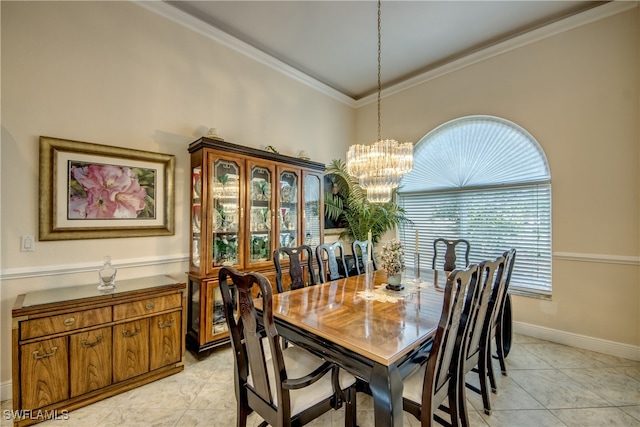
[(69, 321), (149, 306), (86, 344), (166, 325), (128, 334), (42, 356)]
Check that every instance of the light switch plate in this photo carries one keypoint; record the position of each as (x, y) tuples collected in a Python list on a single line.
[(27, 244)]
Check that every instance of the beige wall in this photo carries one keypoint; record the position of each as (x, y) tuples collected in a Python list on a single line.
[(114, 73), (577, 94)]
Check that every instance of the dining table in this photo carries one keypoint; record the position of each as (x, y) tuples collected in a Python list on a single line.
[(377, 334)]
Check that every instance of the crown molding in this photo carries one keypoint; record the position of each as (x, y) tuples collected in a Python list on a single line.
[(169, 12), (533, 36)]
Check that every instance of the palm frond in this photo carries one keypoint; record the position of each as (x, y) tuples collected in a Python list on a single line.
[(333, 205), (361, 215)]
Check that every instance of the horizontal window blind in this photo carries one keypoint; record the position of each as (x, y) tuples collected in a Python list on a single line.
[(493, 220)]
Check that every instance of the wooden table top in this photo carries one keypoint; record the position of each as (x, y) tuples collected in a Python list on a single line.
[(382, 328)]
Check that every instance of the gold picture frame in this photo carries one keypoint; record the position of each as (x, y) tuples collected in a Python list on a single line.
[(93, 191)]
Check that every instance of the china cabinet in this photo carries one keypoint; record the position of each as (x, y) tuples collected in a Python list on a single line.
[(245, 203), (74, 346)]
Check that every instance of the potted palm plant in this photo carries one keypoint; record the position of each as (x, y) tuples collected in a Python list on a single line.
[(360, 215)]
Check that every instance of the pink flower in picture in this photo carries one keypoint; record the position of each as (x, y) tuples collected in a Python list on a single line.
[(98, 191), (77, 207)]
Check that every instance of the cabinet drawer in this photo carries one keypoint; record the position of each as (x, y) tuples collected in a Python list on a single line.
[(146, 306), (64, 322)]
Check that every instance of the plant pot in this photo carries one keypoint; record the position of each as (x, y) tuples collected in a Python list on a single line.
[(394, 281)]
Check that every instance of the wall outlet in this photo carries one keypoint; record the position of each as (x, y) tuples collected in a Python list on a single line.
[(27, 244)]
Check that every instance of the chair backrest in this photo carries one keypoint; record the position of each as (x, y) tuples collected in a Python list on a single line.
[(247, 338), (444, 358), (297, 256), (450, 253), (332, 261), (489, 278), (500, 294), (359, 249)]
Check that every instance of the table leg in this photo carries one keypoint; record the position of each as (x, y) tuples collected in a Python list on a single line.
[(386, 390)]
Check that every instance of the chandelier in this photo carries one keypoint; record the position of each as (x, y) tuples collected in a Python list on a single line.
[(380, 166)]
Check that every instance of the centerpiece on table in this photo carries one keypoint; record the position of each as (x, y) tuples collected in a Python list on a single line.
[(393, 263)]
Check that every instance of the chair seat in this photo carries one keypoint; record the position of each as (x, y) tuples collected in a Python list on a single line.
[(300, 362), (413, 385)]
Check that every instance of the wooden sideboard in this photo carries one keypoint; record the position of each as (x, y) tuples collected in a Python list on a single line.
[(75, 346)]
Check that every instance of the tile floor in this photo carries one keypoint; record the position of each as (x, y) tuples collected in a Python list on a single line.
[(547, 385)]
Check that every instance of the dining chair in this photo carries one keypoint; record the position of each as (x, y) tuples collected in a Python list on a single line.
[(332, 262), (477, 356), (437, 380), (297, 256), (285, 387), (499, 326), (360, 246), (449, 253)]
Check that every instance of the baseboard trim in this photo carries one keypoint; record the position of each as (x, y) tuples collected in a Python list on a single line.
[(599, 345), (6, 391)]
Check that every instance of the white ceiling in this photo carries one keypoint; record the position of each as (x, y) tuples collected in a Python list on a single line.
[(335, 42)]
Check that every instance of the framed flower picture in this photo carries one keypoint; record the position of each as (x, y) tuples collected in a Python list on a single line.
[(92, 191)]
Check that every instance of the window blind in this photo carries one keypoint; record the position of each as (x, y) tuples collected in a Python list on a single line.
[(493, 220), (484, 179)]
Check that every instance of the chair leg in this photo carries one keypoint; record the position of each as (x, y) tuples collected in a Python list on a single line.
[(492, 378), (350, 408), (500, 348), (482, 376), (243, 413), (457, 407), (460, 409)]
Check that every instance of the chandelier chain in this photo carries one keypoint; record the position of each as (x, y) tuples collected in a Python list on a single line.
[(380, 166), (379, 66)]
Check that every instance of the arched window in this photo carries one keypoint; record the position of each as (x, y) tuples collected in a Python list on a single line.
[(486, 180)]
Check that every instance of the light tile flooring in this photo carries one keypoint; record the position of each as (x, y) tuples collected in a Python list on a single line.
[(547, 385)]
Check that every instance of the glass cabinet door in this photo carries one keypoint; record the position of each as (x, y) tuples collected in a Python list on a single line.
[(311, 214), (260, 213), (288, 209), (196, 215), (216, 323), (194, 307), (225, 211)]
